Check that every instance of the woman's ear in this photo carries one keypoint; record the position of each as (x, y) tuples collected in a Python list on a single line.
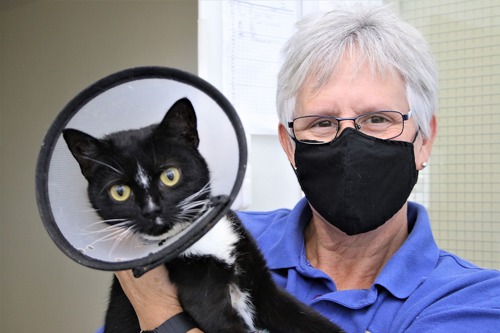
[(287, 144), (423, 152)]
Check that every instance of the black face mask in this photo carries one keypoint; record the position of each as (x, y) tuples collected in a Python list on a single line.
[(356, 182)]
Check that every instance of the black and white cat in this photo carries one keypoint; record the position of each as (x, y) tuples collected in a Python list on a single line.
[(154, 182)]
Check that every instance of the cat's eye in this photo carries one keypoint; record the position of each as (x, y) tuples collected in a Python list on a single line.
[(119, 192), (170, 176)]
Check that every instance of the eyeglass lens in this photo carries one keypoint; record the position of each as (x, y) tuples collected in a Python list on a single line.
[(321, 129)]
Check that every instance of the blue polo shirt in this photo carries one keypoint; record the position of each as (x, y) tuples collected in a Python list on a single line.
[(421, 288)]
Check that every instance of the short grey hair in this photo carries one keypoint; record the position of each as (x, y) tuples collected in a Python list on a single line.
[(371, 34)]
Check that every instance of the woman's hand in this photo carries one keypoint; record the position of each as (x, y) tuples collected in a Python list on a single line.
[(153, 296)]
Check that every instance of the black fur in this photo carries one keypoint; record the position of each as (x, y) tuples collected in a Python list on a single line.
[(203, 281)]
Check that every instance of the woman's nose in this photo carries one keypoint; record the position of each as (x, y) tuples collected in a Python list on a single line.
[(344, 123)]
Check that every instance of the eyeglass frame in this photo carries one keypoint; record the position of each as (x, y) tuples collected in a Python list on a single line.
[(405, 117)]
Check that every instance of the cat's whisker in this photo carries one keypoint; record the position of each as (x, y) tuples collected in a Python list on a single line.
[(203, 191), (90, 210), (107, 185), (195, 204), (110, 236), (120, 226), (191, 207), (138, 241), (189, 215), (124, 235), (192, 198), (108, 221), (116, 223), (102, 163), (91, 229), (154, 153)]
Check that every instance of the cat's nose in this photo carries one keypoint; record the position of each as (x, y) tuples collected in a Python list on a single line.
[(151, 210)]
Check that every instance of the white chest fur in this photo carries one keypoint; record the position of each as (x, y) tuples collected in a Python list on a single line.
[(218, 242)]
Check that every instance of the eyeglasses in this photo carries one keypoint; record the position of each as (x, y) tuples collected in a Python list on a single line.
[(322, 129)]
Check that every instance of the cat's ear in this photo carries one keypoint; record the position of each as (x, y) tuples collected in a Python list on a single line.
[(84, 147), (180, 120)]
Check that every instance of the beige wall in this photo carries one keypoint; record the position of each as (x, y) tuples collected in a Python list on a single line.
[(461, 183), (51, 50)]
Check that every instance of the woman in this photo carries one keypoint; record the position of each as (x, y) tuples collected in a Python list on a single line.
[(356, 100)]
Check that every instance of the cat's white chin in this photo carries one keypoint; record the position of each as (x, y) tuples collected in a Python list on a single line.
[(176, 229)]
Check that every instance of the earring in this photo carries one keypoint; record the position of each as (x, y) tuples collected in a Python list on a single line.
[(424, 164)]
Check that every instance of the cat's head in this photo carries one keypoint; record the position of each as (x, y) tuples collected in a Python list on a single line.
[(152, 180)]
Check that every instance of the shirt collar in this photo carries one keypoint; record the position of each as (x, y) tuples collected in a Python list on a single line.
[(402, 274), (414, 260)]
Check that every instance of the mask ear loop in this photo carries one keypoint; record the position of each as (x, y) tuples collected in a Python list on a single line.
[(416, 135), (424, 164)]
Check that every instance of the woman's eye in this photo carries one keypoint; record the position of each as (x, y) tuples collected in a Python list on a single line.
[(119, 192), (322, 123), (171, 176), (380, 118), (377, 120)]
